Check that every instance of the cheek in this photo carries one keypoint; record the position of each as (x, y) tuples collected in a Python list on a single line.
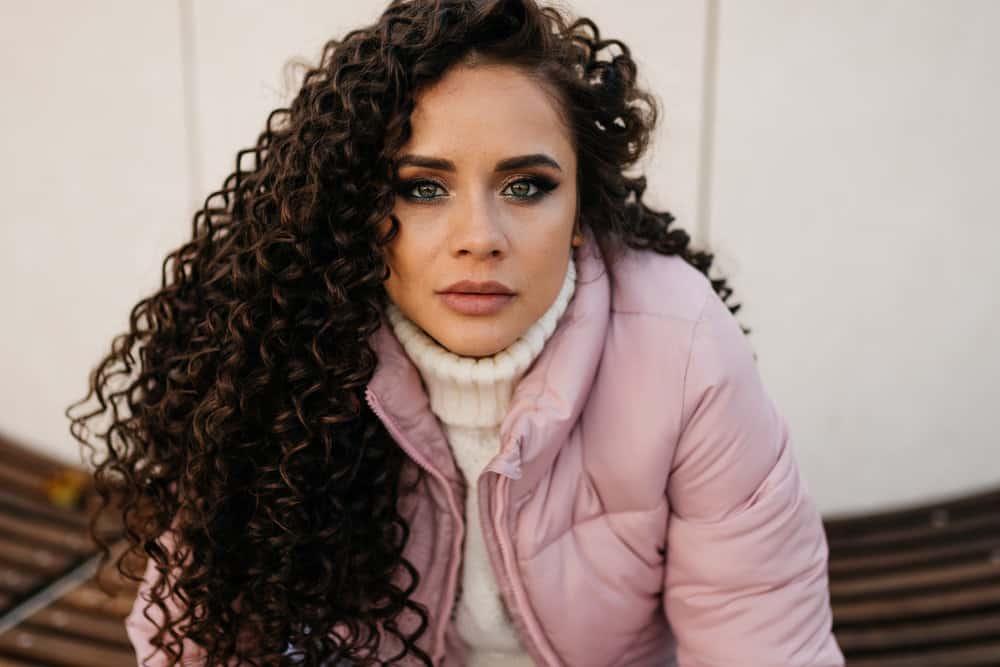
[(409, 264), (397, 272), (403, 256)]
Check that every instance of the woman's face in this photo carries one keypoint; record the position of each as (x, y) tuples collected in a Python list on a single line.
[(471, 209)]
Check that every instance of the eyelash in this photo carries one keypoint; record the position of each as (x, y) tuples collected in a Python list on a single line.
[(544, 185)]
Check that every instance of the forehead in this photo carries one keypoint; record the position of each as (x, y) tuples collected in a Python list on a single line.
[(490, 109)]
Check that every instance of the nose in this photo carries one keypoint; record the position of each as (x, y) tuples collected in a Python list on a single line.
[(477, 230)]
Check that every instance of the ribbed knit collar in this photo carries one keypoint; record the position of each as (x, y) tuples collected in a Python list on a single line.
[(475, 392)]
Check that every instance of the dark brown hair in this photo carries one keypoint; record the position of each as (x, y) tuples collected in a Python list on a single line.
[(237, 423)]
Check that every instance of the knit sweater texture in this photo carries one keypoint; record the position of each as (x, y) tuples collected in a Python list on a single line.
[(470, 397)]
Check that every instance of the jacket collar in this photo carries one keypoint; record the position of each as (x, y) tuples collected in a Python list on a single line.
[(546, 402)]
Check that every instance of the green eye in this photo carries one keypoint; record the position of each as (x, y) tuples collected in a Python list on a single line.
[(542, 185), (524, 185), (422, 190), (424, 187)]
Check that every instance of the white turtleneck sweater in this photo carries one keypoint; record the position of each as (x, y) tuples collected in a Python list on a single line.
[(470, 397)]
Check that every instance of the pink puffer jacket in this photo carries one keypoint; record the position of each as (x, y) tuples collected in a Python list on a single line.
[(646, 507)]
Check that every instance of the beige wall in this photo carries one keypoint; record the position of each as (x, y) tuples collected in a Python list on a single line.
[(856, 161), (92, 193), (837, 154)]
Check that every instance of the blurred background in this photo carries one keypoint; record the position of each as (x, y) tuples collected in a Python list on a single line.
[(839, 157)]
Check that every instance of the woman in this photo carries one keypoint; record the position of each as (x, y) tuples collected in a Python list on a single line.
[(433, 385)]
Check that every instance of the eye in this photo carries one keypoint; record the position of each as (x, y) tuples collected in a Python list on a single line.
[(422, 186), (522, 187)]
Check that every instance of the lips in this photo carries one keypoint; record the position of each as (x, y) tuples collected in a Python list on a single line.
[(476, 303), (473, 287), (468, 297)]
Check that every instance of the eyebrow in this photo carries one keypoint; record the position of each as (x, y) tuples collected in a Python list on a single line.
[(517, 162)]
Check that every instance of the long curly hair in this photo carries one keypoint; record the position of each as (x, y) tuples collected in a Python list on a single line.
[(237, 424)]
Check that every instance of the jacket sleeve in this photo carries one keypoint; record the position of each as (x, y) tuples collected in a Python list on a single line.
[(745, 578), (140, 628)]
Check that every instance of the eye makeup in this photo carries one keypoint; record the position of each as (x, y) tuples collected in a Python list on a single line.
[(543, 186)]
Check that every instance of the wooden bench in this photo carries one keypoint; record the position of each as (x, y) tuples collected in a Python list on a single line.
[(40, 541), (912, 587), (918, 586)]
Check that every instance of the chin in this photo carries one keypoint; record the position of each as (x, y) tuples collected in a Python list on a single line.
[(473, 345), (467, 348)]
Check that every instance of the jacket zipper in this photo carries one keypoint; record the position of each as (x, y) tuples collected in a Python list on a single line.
[(497, 545), (511, 588), (448, 601)]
